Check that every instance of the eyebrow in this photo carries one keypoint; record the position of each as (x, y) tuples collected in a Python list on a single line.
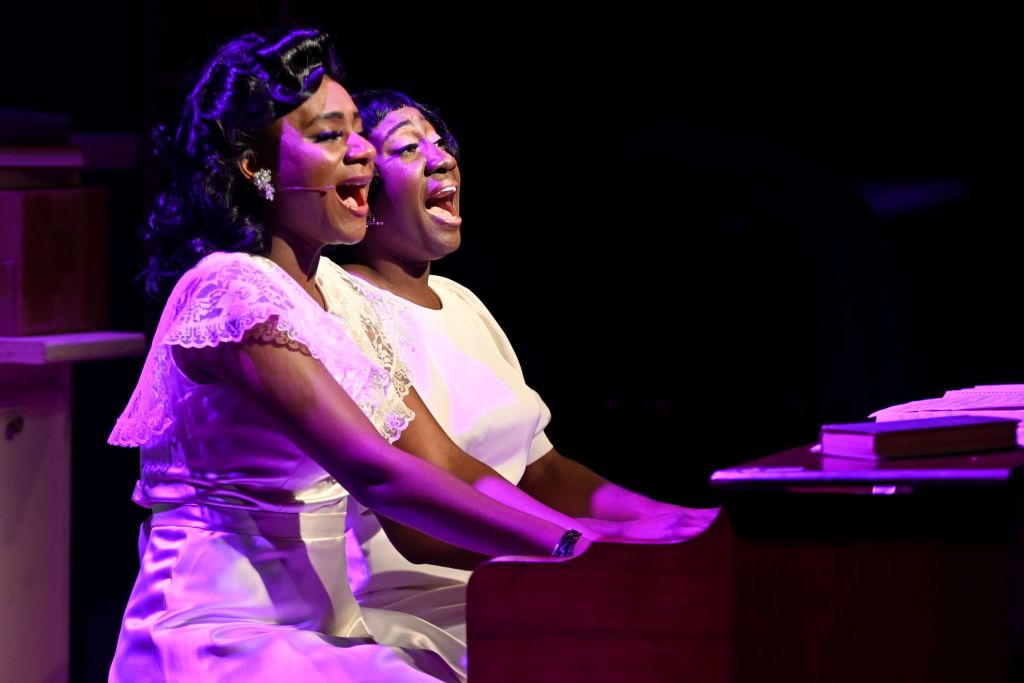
[(391, 131), (333, 116)]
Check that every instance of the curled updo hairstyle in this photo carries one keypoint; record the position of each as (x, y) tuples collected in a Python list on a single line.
[(374, 105), (206, 204)]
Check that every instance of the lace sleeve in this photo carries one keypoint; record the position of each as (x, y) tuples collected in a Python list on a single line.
[(217, 302), (220, 299)]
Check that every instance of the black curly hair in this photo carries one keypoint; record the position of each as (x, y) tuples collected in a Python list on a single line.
[(207, 204)]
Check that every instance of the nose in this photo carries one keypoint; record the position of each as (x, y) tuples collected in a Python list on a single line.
[(360, 150), (439, 160)]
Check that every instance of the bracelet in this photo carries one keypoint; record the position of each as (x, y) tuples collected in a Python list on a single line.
[(566, 545)]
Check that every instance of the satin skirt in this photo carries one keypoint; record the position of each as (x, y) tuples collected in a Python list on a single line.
[(225, 594), (382, 578)]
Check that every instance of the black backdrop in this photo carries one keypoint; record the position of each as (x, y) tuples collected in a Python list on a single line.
[(705, 233)]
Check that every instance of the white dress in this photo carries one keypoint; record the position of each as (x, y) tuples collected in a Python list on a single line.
[(243, 572), (464, 368)]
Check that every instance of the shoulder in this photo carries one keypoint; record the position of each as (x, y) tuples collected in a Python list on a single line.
[(350, 297), (223, 282), (444, 285), (453, 292), (218, 260), (334, 276), (330, 267), (225, 294), (226, 271)]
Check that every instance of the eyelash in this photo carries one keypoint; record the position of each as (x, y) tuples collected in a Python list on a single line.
[(415, 145), (329, 136)]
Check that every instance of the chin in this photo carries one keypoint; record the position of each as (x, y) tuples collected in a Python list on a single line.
[(449, 245), (349, 234)]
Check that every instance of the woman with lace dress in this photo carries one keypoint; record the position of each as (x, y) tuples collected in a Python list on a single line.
[(466, 372), (259, 413)]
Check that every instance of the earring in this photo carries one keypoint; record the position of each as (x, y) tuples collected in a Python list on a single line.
[(372, 221), (261, 179)]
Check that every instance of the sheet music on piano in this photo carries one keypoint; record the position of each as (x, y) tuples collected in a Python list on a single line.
[(996, 400)]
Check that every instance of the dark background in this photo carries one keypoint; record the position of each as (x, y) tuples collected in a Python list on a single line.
[(705, 233)]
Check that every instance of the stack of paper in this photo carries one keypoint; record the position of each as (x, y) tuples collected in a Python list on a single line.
[(995, 400)]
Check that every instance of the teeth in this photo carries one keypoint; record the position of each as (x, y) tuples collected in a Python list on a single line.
[(443, 193)]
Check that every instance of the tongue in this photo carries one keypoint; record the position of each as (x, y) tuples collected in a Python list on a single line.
[(350, 202), (440, 212)]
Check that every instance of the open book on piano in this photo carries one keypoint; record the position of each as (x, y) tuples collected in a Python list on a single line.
[(994, 400)]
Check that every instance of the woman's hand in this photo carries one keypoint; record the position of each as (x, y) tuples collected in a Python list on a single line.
[(670, 523)]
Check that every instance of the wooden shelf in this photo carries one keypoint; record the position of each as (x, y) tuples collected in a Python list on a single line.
[(41, 157), (68, 348)]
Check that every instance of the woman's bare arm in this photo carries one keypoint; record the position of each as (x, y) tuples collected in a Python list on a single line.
[(303, 400), (571, 487)]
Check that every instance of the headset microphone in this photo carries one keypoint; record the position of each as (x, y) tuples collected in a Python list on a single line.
[(325, 188)]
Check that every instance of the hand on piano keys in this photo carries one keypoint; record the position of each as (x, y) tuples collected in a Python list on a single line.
[(676, 524)]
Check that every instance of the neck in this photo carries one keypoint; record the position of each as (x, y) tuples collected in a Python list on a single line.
[(298, 259), (401, 277)]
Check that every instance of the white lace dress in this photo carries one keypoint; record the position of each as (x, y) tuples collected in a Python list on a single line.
[(467, 373), (243, 574)]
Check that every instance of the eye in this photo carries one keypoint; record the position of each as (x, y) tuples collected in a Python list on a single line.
[(329, 136), (408, 149)]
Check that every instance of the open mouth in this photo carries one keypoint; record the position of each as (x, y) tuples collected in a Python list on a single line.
[(442, 203), (353, 195)]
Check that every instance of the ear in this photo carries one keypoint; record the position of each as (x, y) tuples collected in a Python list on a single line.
[(247, 165)]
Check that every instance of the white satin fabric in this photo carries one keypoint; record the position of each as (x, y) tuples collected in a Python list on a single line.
[(467, 373), (226, 594), (243, 572)]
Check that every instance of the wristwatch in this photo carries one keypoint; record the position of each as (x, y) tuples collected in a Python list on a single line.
[(566, 545)]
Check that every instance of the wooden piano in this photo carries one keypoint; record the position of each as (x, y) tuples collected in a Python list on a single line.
[(617, 613), (817, 569)]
